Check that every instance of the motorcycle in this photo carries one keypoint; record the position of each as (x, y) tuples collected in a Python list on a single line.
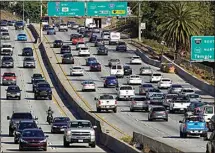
[(50, 119)]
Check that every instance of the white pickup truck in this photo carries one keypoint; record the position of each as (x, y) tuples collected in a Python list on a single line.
[(63, 27), (125, 92), (179, 103), (106, 102), (114, 38), (7, 49)]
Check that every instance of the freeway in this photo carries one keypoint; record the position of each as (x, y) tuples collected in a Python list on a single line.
[(27, 103), (167, 132)]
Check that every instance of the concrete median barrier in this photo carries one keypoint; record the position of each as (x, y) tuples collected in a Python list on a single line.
[(105, 139), (152, 144)]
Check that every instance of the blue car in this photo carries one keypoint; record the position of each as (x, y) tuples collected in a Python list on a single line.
[(51, 31), (111, 81), (90, 61), (193, 125), (22, 37)]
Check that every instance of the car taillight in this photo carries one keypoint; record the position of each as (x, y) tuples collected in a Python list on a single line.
[(100, 102), (133, 102), (115, 102)]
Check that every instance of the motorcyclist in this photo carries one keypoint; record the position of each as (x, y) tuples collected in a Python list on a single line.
[(50, 113)]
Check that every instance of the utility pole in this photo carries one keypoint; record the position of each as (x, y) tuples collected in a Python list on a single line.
[(139, 21), (41, 15), (23, 11)]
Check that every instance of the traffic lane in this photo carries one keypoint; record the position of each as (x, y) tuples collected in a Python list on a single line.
[(55, 140), (97, 79), (8, 106), (136, 116)]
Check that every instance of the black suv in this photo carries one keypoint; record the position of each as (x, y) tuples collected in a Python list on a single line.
[(13, 91), (36, 81), (102, 50), (65, 49), (43, 90), (7, 62), (23, 124), (121, 46), (57, 43), (36, 76), (45, 27), (127, 70), (19, 25), (16, 118), (27, 51), (67, 58)]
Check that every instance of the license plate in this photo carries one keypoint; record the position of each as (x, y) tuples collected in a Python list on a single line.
[(160, 116), (61, 129), (13, 95), (181, 109), (80, 140), (107, 106)]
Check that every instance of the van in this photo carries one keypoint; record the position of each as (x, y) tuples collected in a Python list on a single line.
[(117, 70), (208, 112), (125, 92)]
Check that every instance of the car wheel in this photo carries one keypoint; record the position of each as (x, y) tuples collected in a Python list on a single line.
[(16, 141), (7, 98), (45, 149), (149, 119), (92, 145), (65, 143), (50, 97), (166, 119), (19, 98), (35, 97), (181, 134), (20, 148), (131, 110), (52, 131), (10, 132), (115, 110), (98, 110)]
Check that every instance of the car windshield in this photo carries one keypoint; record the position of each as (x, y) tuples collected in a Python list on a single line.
[(32, 133), (166, 80), (154, 90), (209, 110), (106, 97), (146, 68), (111, 78), (134, 76), (156, 96), (22, 35), (7, 58), (26, 125), (22, 116), (58, 41), (80, 124), (65, 47), (39, 80), (84, 48), (170, 96), (67, 55), (60, 120), (127, 67), (44, 85), (136, 57), (13, 88), (114, 60), (9, 75), (147, 85), (119, 67), (6, 46), (156, 74), (126, 88), (95, 64), (77, 68), (139, 98), (157, 109), (176, 86), (37, 76), (121, 43), (5, 34), (193, 96), (29, 59), (195, 119), (28, 49), (51, 28), (188, 90), (88, 82)]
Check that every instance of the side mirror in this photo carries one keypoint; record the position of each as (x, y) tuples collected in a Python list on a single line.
[(47, 136), (95, 98), (209, 119), (94, 127), (180, 122), (39, 128), (8, 117)]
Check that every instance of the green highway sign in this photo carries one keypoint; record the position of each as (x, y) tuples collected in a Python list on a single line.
[(202, 48), (108, 9), (63, 8)]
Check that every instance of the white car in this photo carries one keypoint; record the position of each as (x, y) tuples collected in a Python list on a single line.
[(88, 85), (92, 25), (63, 27), (80, 45), (134, 79), (164, 83), (106, 102), (117, 70), (185, 91), (125, 92), (4, 28), (84, 51), (136, 60), (145, 70), (76, 70), (155, 77)]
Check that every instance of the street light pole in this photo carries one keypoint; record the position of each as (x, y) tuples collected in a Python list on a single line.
[(41, 15), (139, 20), (23, 11)]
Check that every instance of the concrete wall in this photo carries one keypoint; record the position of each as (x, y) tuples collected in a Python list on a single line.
[(154, 145), (105, 139)]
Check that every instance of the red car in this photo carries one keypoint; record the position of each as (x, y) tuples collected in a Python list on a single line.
[(33, 139), (76, 40), (95, 67), (9, 78)]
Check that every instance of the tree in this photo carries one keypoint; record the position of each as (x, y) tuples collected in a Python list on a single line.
[(179, 21)]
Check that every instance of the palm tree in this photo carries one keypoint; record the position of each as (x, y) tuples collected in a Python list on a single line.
[(179, 21)]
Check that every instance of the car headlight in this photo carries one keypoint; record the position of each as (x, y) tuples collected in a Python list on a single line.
[(43, 140), (92, 133), (54, 126), (23, 141), (68, 132)]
